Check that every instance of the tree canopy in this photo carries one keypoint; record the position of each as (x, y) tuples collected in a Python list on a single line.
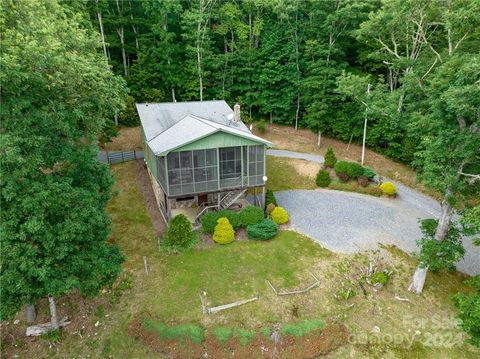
[(57, 94)]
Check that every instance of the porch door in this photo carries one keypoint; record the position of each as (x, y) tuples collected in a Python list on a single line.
[(202, 198)]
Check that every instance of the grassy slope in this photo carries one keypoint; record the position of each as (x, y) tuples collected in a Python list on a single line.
[(170, 291)]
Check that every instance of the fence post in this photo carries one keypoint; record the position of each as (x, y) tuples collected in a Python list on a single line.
[(108, 158), (134, 154), (123, 160)]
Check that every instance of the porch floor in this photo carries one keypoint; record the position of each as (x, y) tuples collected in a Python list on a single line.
[(190, 213)]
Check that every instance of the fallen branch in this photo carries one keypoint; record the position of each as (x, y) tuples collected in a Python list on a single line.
[(37, 330), (298, 291), (231, 305), (402, 299)]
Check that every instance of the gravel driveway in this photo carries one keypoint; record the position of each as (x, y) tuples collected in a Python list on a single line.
[(349, 222)]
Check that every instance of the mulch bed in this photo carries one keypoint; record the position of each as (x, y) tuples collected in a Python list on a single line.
[(145, 186), (312, 345)]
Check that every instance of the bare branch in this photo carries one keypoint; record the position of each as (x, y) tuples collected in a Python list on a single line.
[(387, 48), (471, 175)]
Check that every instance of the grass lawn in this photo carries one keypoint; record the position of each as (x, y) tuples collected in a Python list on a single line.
[(289, 173), (169, 294)]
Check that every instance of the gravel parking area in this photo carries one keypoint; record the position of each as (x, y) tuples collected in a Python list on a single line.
[(349, 222)]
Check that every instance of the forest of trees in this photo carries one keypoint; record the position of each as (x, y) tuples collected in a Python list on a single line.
[(70, 68), (302, 63)]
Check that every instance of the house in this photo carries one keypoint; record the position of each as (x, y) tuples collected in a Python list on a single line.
[(201, 156)]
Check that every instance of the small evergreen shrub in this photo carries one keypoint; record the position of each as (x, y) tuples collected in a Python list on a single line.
[(179, 236), (388, 188), (369, 173), (330, 158), (262, 231), (251, 215), (261, 126), (209, 219), (270, 208), (352, 169), (323, 178), (362, 181), (224, 232), (303, 328), (270, 198), (279, 215)]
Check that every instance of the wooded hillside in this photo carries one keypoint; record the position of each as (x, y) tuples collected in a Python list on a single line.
[(303, 63)]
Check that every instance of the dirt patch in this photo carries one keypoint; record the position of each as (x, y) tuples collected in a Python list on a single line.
[(312, 345), (128, 139), (306, 168), (145, 186)]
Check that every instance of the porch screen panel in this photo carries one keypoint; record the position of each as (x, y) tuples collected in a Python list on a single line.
[(256, 165), (205, 170), (230, 167), (162, 176)]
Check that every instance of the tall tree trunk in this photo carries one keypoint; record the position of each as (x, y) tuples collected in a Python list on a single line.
[(120, 33), (100, 23), (30, 313), (446, 213), (297, 113), (53, 312)]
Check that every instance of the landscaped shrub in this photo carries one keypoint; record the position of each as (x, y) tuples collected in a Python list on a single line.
[(270, 197), (179, 236), (209, 220), (323, 178), (224, 232), (388, 188), (380, 277), (262, 231), (369, 173), (251, 215), (352, 169), (279, 215), (270, 208), (362, 181), (330, 158), (300, 329)]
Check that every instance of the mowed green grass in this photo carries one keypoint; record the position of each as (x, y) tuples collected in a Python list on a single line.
[(282, 175)]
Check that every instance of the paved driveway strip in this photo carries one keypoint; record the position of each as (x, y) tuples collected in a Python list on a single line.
[(349, 222)]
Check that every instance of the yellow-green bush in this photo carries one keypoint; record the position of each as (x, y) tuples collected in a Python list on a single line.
[(224, 232), (388, 188), (279, 215)]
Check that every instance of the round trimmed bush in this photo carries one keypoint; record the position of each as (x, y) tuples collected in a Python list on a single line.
[(270, 208), (224, 232), (388, 188), (251, 215), (279, 215), (262, 231), (330, 158), (323, 178), (209, 219)]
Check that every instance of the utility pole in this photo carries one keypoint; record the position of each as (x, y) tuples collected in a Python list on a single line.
[(365, 125)]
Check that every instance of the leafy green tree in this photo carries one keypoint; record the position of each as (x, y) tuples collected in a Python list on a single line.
[(449, 162), (56, 96)]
